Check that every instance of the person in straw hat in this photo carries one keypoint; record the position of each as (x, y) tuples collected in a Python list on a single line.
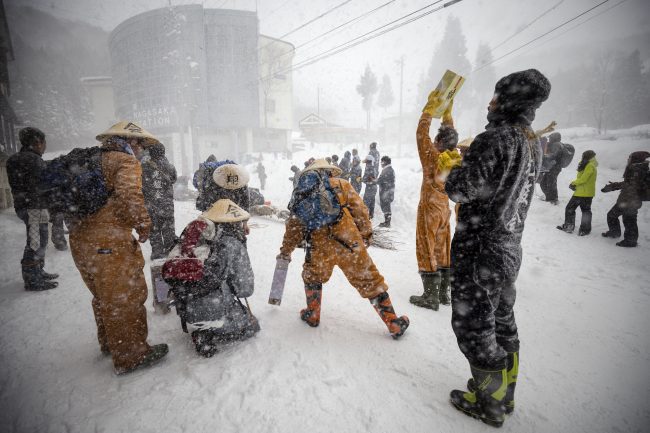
[(109, 258), (344, 244), (210, 271)]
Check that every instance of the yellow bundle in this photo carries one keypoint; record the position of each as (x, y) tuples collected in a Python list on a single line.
[(448, 160)]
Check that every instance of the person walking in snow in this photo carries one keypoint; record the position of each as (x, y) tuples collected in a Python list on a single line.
[(495, 185), (370, 179), (634, 189), (210, 272), (343, 243), (344, 165), (24, 171), (158, 178), (109, 258), (551, 167), (386, 183), (433, 232), (356, 175), (296, 174), (261, 173), (584, 187)]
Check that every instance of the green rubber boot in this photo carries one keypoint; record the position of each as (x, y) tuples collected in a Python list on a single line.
[(487, 401), (429, 299), (513, 371)]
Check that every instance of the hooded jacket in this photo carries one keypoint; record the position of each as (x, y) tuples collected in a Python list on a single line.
[(585, 182), (24, 170)]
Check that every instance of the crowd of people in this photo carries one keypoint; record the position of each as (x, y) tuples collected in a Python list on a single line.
[(492, 182)]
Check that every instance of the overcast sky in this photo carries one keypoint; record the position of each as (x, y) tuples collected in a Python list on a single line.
[(488, 21)]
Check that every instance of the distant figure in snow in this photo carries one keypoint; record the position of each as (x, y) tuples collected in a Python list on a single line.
[(386, 183), (495, 185), (370, 179), (634, 190), (261, 173), (158, 178), (344, 165), (24, 170), (356, 175), (551, 167), (335, 160), (296, 175), (584, 187), (355, 155)]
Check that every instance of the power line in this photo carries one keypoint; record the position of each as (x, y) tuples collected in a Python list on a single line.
[(540, 36), (327, 12), (528, 25)]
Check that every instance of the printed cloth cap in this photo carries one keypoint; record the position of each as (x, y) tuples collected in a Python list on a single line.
[(322, 164), (225, 211), (231, 176), (128, 130)]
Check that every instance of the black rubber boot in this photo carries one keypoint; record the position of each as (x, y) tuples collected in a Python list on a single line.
[(487, 401), (567, 228), (33, 278), (512, 372), (157, 352), (386, 222), (626, 243), (429, 299), (47, 275), (445, 286)]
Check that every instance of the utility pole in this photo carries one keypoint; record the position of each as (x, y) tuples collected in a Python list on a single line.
[(401, 93)]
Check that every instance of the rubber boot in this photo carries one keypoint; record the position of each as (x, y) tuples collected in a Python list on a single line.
[(154, 356), (311, 314), (429, 299), (611, 234), (513, 371), (47, 275), (487, 401), (566, 227), (626, 243), (33, 278), (384, 307), (445, 286), (386, 222)]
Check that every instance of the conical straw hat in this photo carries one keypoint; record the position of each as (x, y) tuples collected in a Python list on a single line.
[(128, 130), (225, 211), (322, 164), (231, 176)]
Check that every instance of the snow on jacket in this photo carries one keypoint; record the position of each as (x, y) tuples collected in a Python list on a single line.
[(386, 182), (495, 186), (375, 164), (158, 178), (344, 165), (24, 170), (585, 183), (630, 188)]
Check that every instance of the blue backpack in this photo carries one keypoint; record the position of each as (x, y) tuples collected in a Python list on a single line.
[(75, 184), (314, 201)]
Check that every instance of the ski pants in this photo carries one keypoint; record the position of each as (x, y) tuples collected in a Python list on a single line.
[(585, 207), (385, 200), (163, 234), (549, 184), (353, 259), (110, 262), (36, 226), (369, 199), (629, 221), (482, 316)]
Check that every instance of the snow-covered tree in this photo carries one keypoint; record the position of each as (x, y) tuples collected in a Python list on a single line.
[(367, 88), (386, 97)]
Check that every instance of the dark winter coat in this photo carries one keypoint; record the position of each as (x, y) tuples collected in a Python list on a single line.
[(344, 165), (355, 177), (158, 178), (24, 170), (551, 160), (386, 182), (630, 188), (375, 164), (214, 193), (495, 185)]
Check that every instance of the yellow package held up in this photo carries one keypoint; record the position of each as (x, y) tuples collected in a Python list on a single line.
[(444, 94), (448, 160)]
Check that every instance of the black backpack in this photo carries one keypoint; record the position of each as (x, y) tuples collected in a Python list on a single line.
[(75, 183), (644, 190), (566, 155)]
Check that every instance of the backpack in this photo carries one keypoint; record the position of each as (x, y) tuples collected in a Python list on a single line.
[(644, 190), (75, 183), (314, 201), (566, 155)]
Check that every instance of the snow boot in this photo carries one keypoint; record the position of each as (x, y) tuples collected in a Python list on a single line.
[(204, 343), (384, 307), (487, 401), (33, 278), (445, 286), (512, 372), (47, 275), (611, 234), (386, 222), (626, 243), (429, 299), (154, 356), (311, 314), (583, 232), (566, 227)]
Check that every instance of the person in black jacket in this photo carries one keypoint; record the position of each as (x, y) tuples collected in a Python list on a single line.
[(344, 165), (494, 186), (24, 170), (158, 178), (370, 179), (386, 183), (629, 200), (551, 167)]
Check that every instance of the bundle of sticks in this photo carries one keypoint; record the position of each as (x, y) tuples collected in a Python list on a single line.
[(381, 238)]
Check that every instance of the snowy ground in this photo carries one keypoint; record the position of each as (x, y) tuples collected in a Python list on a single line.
[(581, 309)]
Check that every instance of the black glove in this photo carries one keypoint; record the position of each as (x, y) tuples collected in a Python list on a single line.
[(608, 188), (572, 187)]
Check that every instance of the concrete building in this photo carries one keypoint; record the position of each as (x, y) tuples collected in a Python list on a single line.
[(8, 142), (192, 76)]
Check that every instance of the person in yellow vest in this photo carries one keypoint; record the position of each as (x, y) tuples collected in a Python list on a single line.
[(109, 258), (585, 189), (343, 243)]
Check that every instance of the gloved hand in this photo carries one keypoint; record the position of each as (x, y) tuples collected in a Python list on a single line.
[(449, 159), (572, 187), (433, 103), (608, 188)]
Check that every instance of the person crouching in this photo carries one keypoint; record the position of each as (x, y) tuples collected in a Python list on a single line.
[(210, 272)]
